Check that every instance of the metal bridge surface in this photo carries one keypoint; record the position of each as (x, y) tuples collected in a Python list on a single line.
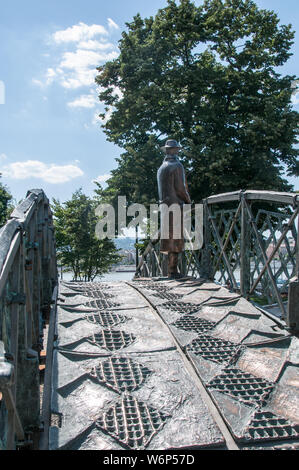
[(155, 363), (161, 364)]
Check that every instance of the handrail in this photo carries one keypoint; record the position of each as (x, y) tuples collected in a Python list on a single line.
[(28, 274), (241, 241), (251, 195)]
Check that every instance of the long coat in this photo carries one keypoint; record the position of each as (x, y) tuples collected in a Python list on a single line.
[(172, 190)]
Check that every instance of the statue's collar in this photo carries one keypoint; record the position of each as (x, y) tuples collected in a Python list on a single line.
[(171, 158)]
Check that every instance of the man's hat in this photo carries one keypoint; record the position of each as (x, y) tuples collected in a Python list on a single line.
[(171, 143)]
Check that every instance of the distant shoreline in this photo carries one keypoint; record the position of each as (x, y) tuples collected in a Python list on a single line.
[(111, 276)]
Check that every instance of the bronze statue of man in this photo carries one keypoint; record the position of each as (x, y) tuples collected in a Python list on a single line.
[(172, 191)]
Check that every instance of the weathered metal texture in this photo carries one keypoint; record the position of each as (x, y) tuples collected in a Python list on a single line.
[(121, 378), (250, 244), (269, 196), (24, 299), (119, 381), (293, 305), (247, 361), (253, 245)]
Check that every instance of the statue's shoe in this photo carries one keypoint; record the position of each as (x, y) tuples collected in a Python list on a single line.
[(176, 276)]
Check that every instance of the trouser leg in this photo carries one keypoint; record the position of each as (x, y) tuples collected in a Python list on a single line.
[(172, 263)]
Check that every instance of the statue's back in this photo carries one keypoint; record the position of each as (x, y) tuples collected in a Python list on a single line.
[(171, 181)]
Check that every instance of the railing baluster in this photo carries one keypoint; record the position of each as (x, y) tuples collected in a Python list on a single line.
[(228, 239), (245, 245), (269, 270), (206, 269), (218, 239), (273, 253), (21, 291)]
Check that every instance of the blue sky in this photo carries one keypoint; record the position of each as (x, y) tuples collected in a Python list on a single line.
[(50, 137)]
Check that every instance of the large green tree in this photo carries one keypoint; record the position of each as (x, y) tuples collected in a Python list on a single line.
[(78, 248), (207, 76), (5, 200)]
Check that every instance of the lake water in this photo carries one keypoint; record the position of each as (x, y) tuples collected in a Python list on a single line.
[(113, 276)]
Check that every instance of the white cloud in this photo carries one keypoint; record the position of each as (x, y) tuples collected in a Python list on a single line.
[(99, 120), (49, 78), (95, 45), (79, 32), (50, 173), (80, 59), (78, 68), (84, 101), (295, 98), (112, 24), (103, 178), (51, 73), (79, 50), (295, 93), (78, 79), (37, 82)]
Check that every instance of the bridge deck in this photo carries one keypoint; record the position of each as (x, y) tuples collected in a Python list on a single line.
[(161, 364)]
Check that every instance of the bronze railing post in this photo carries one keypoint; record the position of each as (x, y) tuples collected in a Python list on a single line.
[(206, 268), (23, 245), (245, 245)]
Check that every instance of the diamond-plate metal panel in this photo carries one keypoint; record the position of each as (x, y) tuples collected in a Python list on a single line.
[(112, 340), (106, 319), (95, 293), (100, 304), (98, 294), (83, 287), (190, 323), (266, 426), (131, 422), (153, 286), (279, 446), (242, 386), (213, 349), (255, 392), (121, 374), (181, 307), (167, 295)]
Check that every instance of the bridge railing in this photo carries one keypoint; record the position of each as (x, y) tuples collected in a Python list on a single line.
[(250, 244), (28, 274)]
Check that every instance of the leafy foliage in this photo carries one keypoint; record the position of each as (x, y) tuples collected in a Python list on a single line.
[(206, 76), (77, 246), (5, 207)]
